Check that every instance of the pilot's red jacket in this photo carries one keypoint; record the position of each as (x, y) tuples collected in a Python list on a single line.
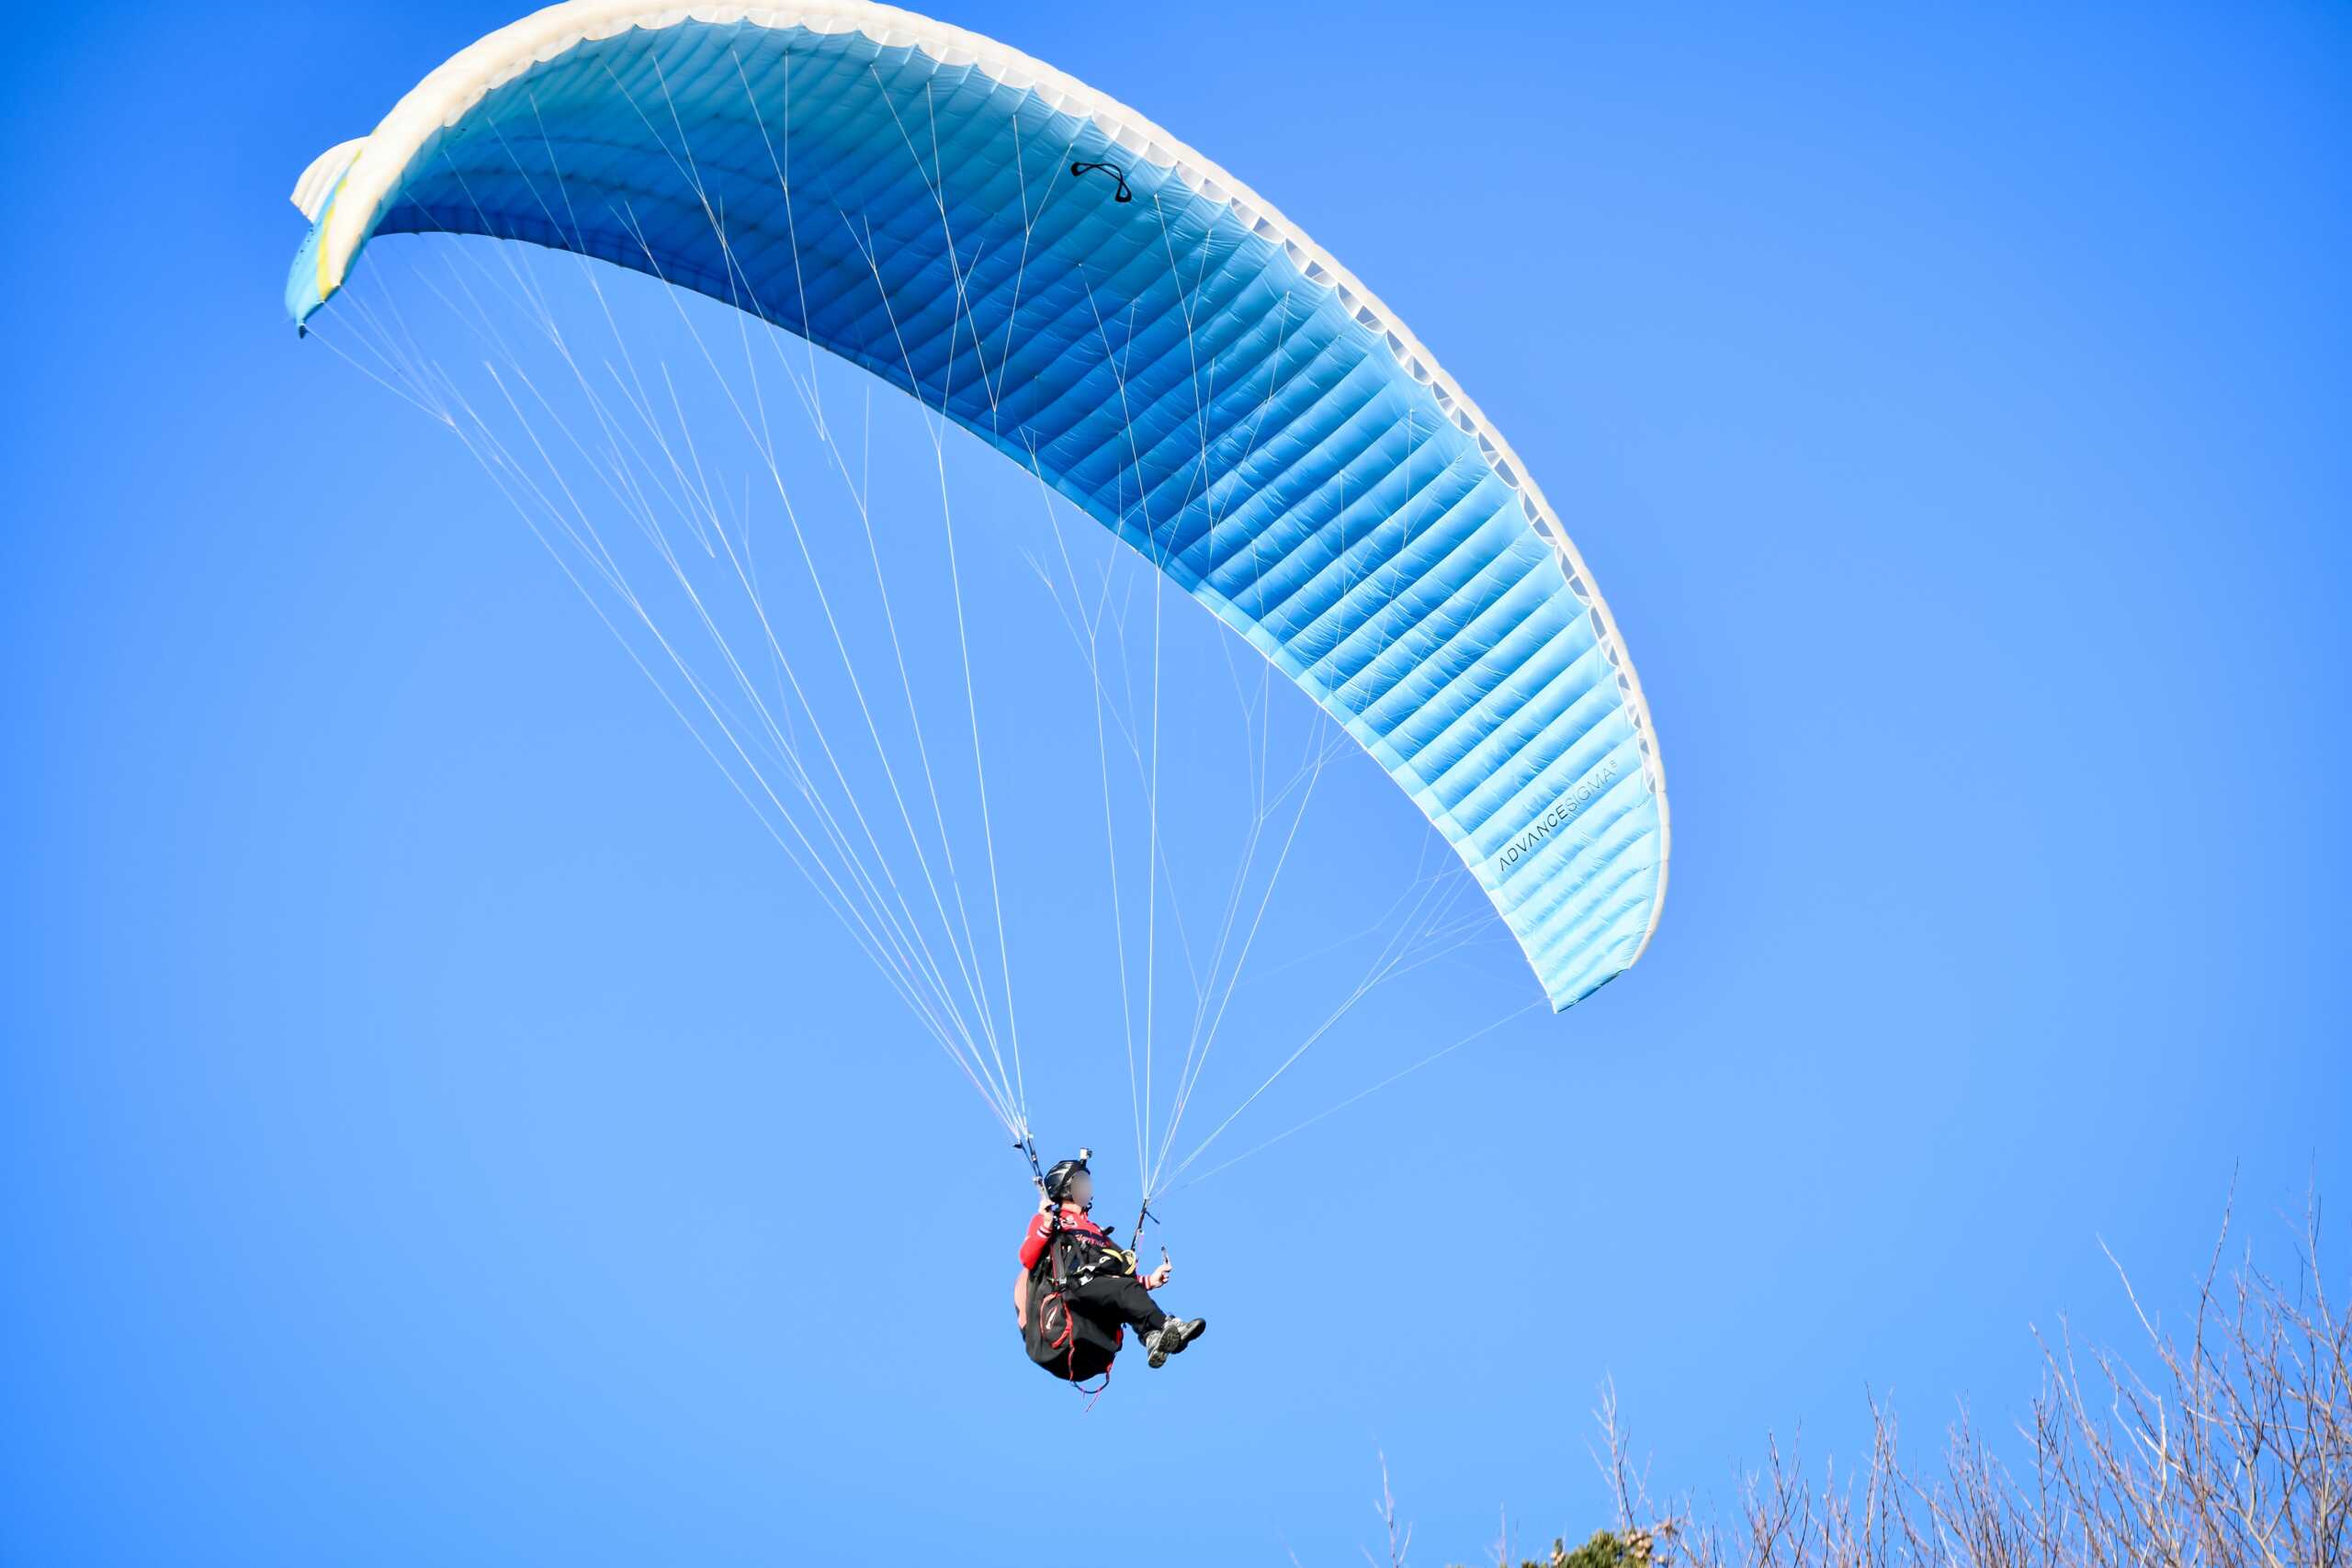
[(1074, 1219)]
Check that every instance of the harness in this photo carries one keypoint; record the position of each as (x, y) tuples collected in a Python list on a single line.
[(1080, 1257), (1067, 1343)]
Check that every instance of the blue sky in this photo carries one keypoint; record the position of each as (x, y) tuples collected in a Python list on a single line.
[(435, 1125)]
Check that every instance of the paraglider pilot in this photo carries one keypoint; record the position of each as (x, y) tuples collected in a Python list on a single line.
[(1070, 1267)]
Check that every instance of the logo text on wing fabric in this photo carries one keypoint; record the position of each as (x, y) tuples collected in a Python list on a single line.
[(1555, 816)]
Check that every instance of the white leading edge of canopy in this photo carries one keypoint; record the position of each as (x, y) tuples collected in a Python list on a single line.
[(370, 166)]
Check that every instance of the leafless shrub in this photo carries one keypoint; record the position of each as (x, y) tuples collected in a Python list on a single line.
[(2228, 1443), (1399, 1536)]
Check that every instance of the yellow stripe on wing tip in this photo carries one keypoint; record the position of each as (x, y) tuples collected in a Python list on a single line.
[(326, 214)]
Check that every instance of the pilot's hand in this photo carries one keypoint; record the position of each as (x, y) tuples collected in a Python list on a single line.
[(1046, 1205), (1158, 1276)]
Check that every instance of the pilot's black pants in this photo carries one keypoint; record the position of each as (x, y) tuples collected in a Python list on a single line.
[(1110, 1299)]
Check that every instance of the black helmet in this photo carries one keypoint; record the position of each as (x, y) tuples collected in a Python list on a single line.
[(1058, 1177)]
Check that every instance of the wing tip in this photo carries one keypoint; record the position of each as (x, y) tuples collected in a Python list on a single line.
[(308, 283), (325, 172)]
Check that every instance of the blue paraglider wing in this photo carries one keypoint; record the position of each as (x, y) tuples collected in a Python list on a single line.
[(1065, 280)]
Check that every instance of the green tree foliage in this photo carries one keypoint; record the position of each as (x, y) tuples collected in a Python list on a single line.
[(1605, 1550)]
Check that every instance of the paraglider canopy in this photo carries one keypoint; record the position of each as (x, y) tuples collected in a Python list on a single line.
[(1266, 432)]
